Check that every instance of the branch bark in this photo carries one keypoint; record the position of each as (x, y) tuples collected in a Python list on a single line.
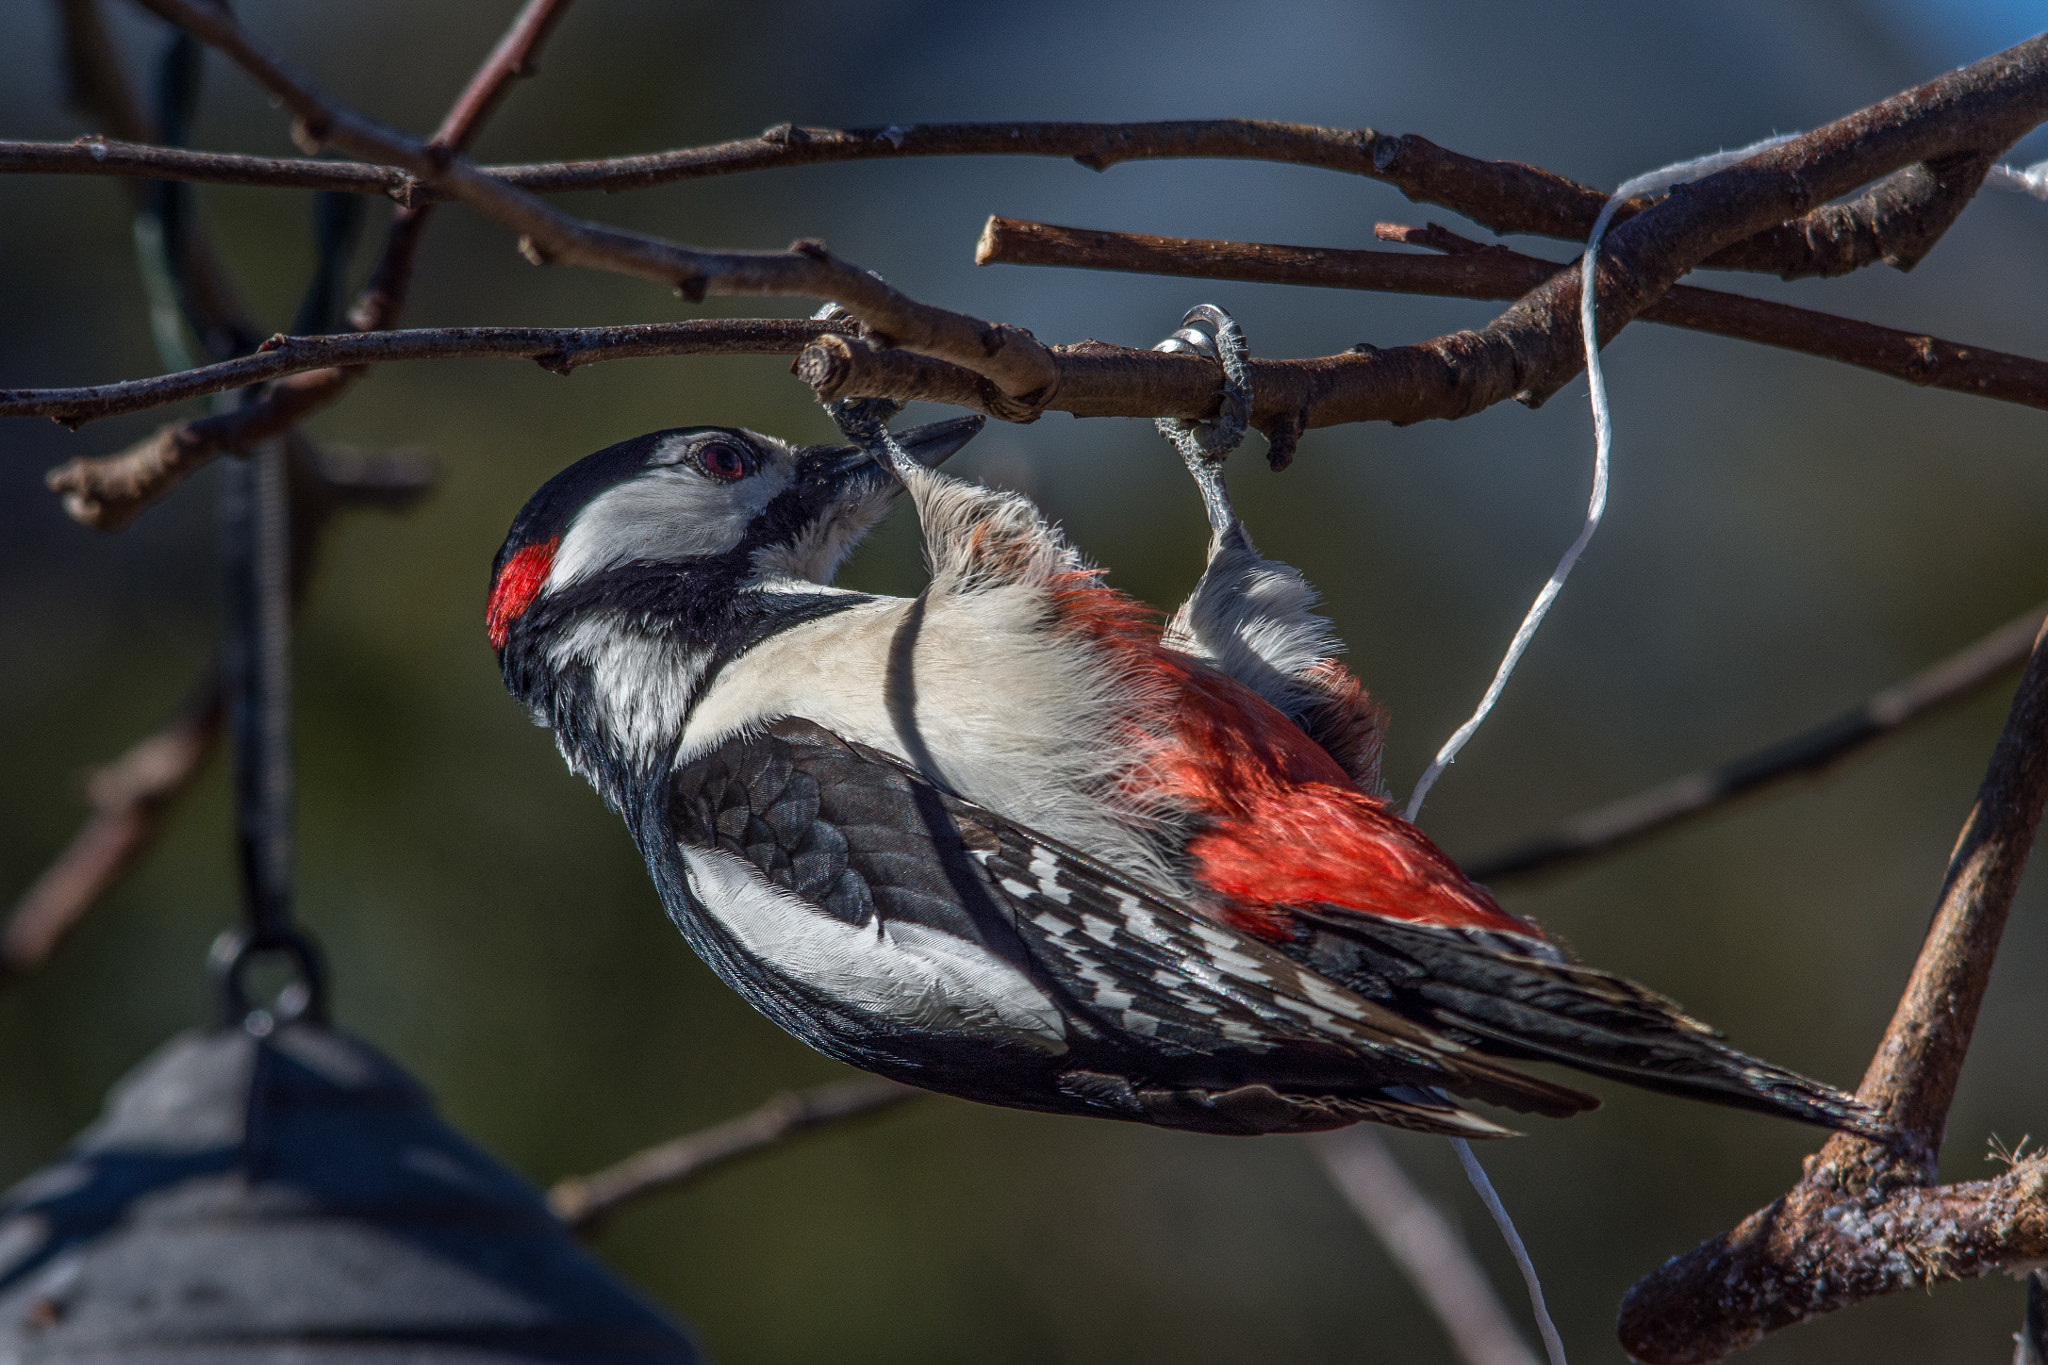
[(108, 492), (1609, 828), (1008, 357), (558, 349), (585, 1201), (1528, 352), (1896, 222), (1472, 270), (1866, 1220)]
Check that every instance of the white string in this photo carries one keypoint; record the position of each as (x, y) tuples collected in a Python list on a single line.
[(1553, 1344), (1652, 182), (2033, 180)]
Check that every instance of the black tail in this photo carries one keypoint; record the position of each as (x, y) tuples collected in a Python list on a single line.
[(1511, 996)]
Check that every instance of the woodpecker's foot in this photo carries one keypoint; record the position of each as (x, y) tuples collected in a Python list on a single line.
[(1213, 334)]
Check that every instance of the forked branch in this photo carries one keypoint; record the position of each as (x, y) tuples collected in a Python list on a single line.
[(1867, 1220)]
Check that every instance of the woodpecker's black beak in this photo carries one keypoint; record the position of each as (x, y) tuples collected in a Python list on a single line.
[(930, 445), (841, 492), (839, 476)]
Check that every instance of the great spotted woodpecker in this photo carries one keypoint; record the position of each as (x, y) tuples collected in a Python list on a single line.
[(1015, 839)]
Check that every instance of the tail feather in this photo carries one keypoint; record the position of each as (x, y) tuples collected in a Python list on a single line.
[(1518, 997)]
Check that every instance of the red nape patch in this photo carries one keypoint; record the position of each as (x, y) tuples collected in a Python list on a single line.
[(518, 584), (1285, 826)]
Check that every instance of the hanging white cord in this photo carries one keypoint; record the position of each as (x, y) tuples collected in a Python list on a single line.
[(1653, 182), (1553, 1344), (2033, 180)]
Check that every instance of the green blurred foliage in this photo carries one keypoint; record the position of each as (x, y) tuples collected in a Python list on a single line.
[(1785, 537)]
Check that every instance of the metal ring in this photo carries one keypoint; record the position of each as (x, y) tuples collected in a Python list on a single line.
[(1221, 340), (305, 998)]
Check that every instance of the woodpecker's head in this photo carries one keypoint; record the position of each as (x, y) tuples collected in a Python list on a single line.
[(637, 569)]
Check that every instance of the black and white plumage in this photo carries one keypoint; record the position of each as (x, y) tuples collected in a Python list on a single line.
[(1017, 840)]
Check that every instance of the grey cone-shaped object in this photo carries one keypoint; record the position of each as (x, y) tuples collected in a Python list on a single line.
[(294, 1198)]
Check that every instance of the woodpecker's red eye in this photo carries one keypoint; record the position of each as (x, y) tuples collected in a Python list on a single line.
[(726, 462)]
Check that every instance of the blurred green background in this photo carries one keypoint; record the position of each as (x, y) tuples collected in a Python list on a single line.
[(1785, 536)]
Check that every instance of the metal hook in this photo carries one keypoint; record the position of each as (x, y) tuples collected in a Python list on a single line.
[(305, 998)]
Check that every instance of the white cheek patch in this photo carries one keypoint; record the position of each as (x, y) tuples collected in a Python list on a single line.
[(669, 513), (910, 975)]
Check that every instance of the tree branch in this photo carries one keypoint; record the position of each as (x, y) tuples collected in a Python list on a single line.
[(1472, 270), (1619, 824), (559, 349), (1424, 1244), (1532, 348), (1896, 222), (1864, 1219), (1008, 356), (584, 1201), (108, 492)]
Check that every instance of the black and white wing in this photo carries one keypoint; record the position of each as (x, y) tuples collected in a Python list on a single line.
[(902, 929)]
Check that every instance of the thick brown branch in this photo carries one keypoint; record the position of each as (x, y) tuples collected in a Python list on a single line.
[(584, 1201), (560, 349), (1425, 1244), (1897, 221), (1818, 1250), (1532, 348), (1622, 823), (1863, 1220), (1476, 271)]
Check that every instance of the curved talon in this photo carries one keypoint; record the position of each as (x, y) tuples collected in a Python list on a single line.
[(1204, 445)]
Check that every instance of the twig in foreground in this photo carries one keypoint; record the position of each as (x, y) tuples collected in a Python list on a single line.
[(1866, 1220), (1424, 1244), (1620, 823), (583, 1201)]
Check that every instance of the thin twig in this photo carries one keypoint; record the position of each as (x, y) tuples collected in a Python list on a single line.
[(1429, 1250), (584, 1201), (108, 492), (1472, 270), (558, 349), (1619, 824), (1528, 352), (1866, 1220), (1897, 222), (1009, 357)]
